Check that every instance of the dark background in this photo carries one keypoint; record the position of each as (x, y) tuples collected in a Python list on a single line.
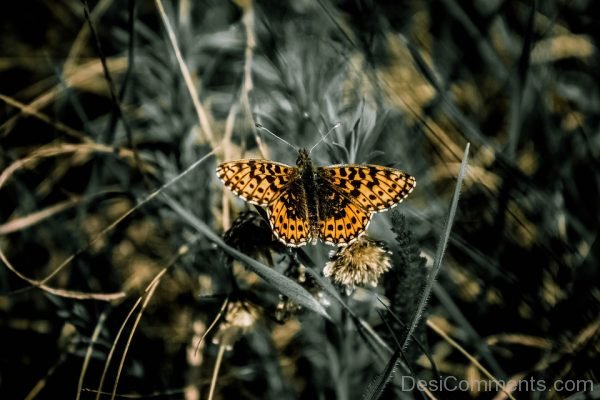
[(411, 83)]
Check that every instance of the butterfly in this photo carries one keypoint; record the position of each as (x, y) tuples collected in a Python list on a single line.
[(305, 203)]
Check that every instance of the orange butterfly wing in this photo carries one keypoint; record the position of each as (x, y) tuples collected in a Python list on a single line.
[(288, 216), (276, 186), (373, 187), (347, 197), (256, 181), (341, 220)]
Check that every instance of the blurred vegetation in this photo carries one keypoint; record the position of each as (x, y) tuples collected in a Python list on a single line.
[(106, 286)]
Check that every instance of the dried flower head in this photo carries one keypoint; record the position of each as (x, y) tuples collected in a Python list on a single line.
[(358, 264), (239, 319), (251, 234)]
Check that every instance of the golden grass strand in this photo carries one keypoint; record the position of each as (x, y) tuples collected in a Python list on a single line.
[(83, 78), (114, 346), (248, 22), (212, 325), (472, 359), (213, 381), (54, 151), (83, 36), (226, 143), (39, 386), (29, 110), (29, 220), (185, 72), (61, 292), (88, 353), (149, 293)]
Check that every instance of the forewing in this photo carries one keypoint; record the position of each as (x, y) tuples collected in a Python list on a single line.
[(341, 220), (373, 187), (256, 181), (288, 216)]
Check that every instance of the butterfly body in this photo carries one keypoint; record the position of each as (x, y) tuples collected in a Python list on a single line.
[(311, 194), (307, 203)]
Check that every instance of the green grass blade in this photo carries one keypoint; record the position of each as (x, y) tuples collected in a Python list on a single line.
[(441, 248), (378, 384)]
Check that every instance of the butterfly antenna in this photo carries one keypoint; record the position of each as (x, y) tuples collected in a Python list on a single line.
[(259, 126), (324, 137)]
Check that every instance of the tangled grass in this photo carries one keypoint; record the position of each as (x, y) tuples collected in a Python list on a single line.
[(128, 272)]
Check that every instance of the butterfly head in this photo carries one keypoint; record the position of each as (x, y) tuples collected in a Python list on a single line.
[(303, 160)]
